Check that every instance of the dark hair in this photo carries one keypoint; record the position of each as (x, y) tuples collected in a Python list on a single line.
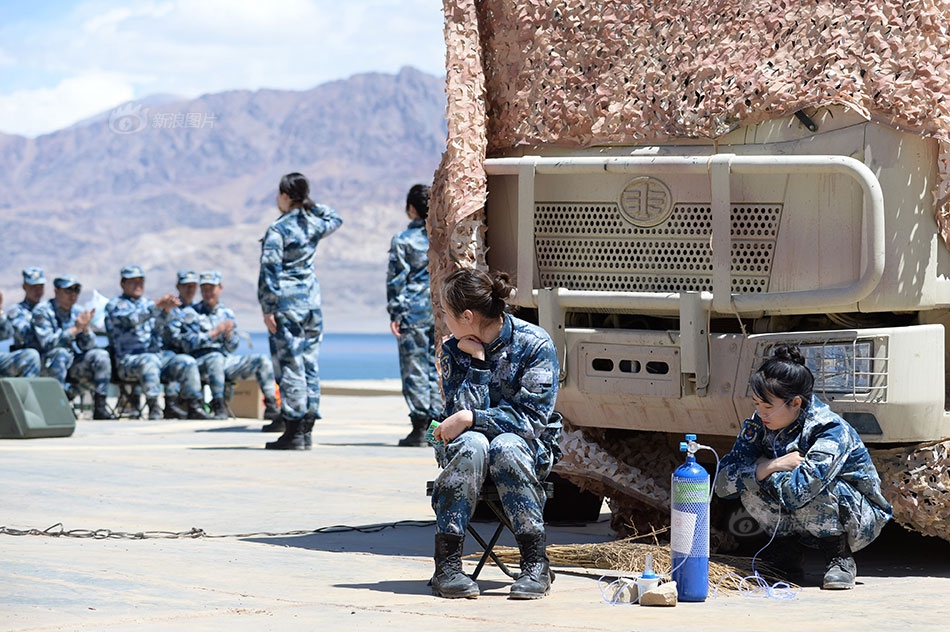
[(418, 198), (297, 188), (484, 293), (783, 375)]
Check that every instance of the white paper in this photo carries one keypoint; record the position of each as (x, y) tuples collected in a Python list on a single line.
[(683, 529)]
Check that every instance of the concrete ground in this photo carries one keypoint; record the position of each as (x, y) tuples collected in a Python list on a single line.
[(296, 541)]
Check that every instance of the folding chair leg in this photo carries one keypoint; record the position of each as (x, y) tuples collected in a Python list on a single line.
[(489, 547)]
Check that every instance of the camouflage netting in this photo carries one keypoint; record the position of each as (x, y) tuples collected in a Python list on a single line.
[(522, 73), (916, 481), (569, 73)]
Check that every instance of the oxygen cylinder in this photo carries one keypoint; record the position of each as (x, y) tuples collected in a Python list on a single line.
[(689, 532)]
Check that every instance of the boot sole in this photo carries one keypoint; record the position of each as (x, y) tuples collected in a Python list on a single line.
[(837, 586), (473, 595), (526, 595)]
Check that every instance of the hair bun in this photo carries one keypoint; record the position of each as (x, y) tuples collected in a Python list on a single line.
[(788, 353), (501, 287)]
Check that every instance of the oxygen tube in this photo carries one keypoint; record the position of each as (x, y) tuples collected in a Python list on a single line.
[(689, 524)]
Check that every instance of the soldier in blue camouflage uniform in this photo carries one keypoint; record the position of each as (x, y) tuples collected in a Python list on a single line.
[(21, 314), (169, 323), (69, 347), (803, 473), (23, 359), (209, 333), (136, 343), (289, 294), (500, 379), (410, 312)]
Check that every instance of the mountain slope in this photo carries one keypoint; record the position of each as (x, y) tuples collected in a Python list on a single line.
[(195, 187)]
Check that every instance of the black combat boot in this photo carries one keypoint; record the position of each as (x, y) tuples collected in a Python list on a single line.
[(174, 409), (449, 581), (306, 428), (786, 555), (840, 569), (219, 410), (196, 410), (292, 439), (536, 575), (154, 410), (130, 405), (417, 437), (275, 426), (99, 408), (271, 409)]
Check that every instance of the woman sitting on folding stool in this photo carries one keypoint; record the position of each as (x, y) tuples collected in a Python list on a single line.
[(500, 382)]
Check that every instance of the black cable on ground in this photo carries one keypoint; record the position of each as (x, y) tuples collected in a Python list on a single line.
[(58, 531)]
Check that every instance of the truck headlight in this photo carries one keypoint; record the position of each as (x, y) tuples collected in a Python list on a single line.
[(840, 367)]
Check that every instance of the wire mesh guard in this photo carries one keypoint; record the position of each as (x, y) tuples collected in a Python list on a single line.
[(593, 247)]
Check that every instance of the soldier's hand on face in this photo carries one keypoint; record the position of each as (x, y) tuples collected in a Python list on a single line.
[(473, 347), (1, 300)]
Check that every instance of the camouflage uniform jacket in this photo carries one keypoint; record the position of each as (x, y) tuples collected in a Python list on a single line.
[(832, 449), (51, 324), (409, 301), (513, 390), (20, 319), (198, 321), (131, 324), (169, 324), (287, 282)]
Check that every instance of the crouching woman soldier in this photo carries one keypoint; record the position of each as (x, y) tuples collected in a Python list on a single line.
[(803, 472), (500, 380)]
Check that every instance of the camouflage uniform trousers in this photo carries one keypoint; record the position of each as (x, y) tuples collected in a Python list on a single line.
[(151, 369), (218, 369), (420, 377), (92, 368), (837, 509), (466, 461), (20, 363), (295, 349)]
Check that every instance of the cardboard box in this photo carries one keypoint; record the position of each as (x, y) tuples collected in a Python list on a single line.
[(247, 400)]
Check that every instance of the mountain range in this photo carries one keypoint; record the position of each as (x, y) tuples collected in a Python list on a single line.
[(169, 183)]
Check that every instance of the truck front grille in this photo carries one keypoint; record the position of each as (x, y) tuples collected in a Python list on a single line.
[(592, 247)]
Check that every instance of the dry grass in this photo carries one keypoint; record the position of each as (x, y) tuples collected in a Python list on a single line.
[(627, 557)]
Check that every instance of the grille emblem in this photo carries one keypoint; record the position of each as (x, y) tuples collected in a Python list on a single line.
[(646, 202)]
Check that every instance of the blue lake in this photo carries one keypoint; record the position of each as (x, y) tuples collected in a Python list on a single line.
[(346, 356)]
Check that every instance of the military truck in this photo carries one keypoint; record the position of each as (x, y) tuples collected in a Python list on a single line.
[(677, 193)]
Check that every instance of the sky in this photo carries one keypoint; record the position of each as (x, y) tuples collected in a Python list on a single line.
[(62, 61)]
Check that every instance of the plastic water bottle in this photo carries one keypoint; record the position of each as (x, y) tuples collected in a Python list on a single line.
[(689, 522)]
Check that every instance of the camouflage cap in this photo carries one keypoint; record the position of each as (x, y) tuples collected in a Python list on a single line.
[(132, 272), (34, 276), (210, 277), (187, 276), (66, 280)]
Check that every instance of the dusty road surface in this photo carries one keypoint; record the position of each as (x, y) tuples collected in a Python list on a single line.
[(198, 528)]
